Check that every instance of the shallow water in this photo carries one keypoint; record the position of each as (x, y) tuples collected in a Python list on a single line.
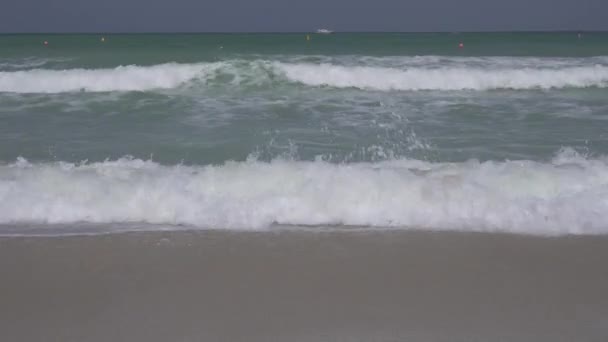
[(508, 134)]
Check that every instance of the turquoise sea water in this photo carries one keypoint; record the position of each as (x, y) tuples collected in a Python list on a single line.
[(246, 131)]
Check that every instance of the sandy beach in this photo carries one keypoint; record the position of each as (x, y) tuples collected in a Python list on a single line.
[(303, 286)]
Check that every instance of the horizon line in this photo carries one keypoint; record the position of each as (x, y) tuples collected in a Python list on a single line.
[(294, 32)]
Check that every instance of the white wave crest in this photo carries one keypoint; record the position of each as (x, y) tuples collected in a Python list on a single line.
[(568, 195), (387, 73), (13, 64), (445, 78), (123, 78)]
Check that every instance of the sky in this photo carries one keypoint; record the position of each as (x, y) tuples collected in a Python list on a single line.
[(300, 16)]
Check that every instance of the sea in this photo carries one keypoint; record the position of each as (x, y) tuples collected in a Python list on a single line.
[(473, 132)]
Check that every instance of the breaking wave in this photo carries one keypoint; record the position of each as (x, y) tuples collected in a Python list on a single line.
[(123, 78), (567, 195), (410, 74), (445, 78)]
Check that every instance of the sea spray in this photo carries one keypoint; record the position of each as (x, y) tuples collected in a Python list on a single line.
[(567, 195), (378, 74)]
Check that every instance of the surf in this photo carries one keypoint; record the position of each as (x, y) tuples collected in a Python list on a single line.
[(121, 78), (444, 78), (566, 195), (424, 73)]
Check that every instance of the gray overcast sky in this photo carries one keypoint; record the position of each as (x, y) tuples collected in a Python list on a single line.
[(284, 15)]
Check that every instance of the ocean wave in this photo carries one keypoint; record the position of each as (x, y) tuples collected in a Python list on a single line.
[(123, 78), (444, 78), (405, 74), (13, 64), (567, 195)]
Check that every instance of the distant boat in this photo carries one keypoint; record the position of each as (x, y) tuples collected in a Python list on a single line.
[(324, 31)]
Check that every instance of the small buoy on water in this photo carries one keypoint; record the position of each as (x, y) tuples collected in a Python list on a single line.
[(307, 38), (461, 45), (103, 39), (46, 42)]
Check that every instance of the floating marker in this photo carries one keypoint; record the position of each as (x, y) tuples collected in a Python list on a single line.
[(461, 45), (46, 43), (307, 38), (103, 39)]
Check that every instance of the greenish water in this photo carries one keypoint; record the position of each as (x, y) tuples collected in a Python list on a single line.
[(499, 134)]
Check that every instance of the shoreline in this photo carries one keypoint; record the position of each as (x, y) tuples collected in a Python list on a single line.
[(303, 286)]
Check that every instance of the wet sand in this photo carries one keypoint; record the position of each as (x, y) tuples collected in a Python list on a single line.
[(303, 286)]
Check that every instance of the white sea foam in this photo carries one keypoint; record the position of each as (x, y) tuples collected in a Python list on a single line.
[(444, 78), (123, 78), (12, 64), (568, 195), (389, 73)]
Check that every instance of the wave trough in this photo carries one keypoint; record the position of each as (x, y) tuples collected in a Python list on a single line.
[(568, 195)]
